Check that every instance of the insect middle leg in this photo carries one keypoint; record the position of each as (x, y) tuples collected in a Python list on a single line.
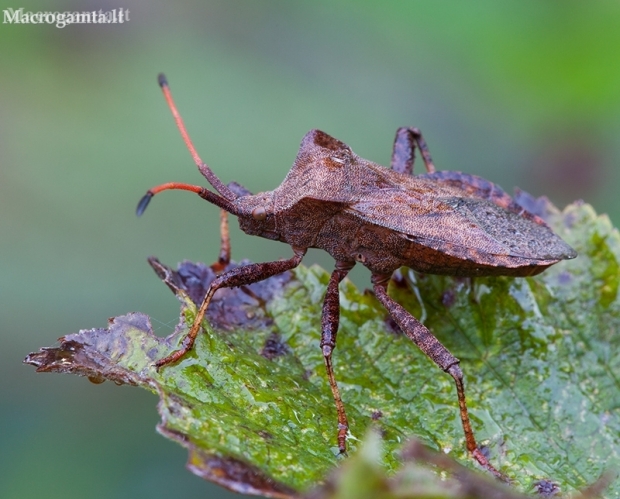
[(239, 276), (403, 152), (330, 320), (439, 354)]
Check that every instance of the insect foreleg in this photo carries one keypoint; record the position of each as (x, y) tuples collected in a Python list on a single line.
[(224, 257), (239, 276)]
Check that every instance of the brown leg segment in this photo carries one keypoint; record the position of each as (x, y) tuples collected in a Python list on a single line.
[(239, 276), (224, 257), (439, 354), (403, 152), (330, 320)]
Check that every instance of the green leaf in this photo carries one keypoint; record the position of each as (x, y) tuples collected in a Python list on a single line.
[(252, 404)]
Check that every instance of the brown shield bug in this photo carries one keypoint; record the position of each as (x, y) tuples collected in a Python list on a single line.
[(446, 222)]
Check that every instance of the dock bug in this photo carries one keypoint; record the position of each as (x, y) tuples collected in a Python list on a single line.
[(445, 222)]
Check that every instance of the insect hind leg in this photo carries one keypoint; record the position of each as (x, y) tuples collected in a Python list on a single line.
[(426, 341), (403, 152)]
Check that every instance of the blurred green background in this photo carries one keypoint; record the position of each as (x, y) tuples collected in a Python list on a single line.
[(521, 92)]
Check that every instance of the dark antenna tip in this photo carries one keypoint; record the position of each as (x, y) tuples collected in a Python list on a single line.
[(161, 79), (144, 202)]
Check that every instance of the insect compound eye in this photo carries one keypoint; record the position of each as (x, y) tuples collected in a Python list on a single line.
[(259, 213)]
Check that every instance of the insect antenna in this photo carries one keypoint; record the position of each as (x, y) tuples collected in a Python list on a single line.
[(202, 166), (203, 192), (227, 195)]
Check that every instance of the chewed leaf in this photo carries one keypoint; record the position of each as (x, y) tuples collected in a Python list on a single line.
[(124, 353), (97, 353), (252, 404)]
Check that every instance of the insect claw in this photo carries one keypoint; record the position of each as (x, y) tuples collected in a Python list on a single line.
[(484, 462), (144, 202)]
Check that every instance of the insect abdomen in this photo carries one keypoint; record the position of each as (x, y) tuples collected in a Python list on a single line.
[(521, 236)]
